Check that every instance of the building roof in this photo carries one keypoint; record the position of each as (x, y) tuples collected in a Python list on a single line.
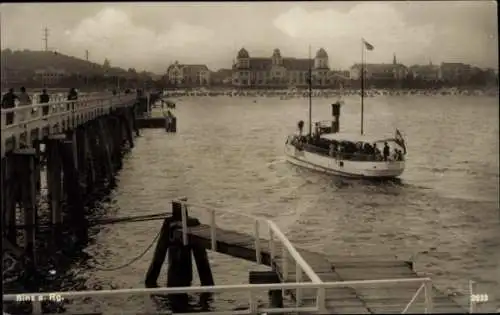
[(378, 67), (422, 69), (243, 53), (189, 69), (454, 65), (321, 53), (298, 64), (292, 64), (260, 63)]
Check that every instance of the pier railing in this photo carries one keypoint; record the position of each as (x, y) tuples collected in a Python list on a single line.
[(251, 289), (263, 231), (57, 116), (266, 235)]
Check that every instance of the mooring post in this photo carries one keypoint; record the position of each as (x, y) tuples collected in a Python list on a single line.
[(159, 255), (204, 271), (180, 274), (180, 269), (268, 277)]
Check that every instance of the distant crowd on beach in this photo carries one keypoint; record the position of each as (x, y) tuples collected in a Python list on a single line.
[(295, 93)]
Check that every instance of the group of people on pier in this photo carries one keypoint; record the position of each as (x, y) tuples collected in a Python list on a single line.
[(10, 99)]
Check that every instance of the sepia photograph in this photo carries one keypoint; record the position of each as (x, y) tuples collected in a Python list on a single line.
[(259, 157)]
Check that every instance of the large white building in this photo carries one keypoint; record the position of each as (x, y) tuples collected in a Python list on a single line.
[(280, 71)]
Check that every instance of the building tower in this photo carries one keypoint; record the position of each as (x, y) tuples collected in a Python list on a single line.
[(276, 58), (321, 59), (394, 61), (243, 59)]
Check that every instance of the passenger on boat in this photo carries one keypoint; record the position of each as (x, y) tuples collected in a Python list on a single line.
[(376, 153), (332, 150), (386, 151), (301, 127)]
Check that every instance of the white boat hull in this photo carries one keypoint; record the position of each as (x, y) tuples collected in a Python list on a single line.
[(346, 168)]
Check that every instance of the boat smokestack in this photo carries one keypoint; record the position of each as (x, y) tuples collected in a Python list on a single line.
[(336, 117)]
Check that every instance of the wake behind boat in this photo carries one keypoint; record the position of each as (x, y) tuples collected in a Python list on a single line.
[(351, 155)]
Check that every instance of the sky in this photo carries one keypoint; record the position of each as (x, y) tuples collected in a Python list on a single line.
[(150, 36)]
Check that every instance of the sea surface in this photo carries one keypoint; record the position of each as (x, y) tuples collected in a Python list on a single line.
[(228, 153)]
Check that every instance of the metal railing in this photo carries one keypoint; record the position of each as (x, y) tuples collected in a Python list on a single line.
[(274, 236), (251, 289), (261, 230), (58, 116)]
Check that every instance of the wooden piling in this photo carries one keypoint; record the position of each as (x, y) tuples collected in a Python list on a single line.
[(268, 277), (159, 255), (128, 122), (204, 271), (179, 275), (9, 198), (38, 167), (70, 180), (25, 167), (105, 147), (54, 178), (92, 157), (83, 160)]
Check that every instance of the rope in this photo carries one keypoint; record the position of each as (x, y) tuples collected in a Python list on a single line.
[(133, 260)]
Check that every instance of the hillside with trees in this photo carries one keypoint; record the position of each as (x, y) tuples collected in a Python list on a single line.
[(19, 68)]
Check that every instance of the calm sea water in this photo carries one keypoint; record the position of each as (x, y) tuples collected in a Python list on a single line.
[(229, 152)]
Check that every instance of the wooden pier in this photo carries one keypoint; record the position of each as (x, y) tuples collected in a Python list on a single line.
[(316, 283), (78, 144), (351, 299)]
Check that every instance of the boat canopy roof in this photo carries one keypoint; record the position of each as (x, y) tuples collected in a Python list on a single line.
[(353, 137)]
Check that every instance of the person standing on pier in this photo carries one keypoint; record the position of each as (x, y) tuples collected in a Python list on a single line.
[(9, 101), (72, 96), (44, 98), (24, 100)]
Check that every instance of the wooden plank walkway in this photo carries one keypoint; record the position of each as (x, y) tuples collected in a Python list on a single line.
[(365, 299)]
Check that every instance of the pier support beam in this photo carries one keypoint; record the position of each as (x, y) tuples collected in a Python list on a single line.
[(54, 179), (10, 189), (71, 181), (103, 136), (25, 168)]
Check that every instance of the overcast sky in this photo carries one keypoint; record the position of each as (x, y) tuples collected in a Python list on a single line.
[(152, 35)]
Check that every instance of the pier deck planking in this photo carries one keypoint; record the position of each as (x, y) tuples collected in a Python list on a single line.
[(360, 299)]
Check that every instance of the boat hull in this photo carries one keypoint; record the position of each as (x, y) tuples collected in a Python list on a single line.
[(345, 168)]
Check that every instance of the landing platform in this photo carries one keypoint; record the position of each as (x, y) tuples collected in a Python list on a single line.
[(364, 299)]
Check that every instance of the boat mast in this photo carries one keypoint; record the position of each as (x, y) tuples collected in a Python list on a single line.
[(362, 83), (310, 92)]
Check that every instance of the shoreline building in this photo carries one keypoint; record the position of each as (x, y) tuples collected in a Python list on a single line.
[(188, 75), (278, 71), (380, 71), (428, 72)]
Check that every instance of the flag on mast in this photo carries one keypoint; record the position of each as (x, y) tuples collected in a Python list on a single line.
[(398, 137), (368, 46)]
